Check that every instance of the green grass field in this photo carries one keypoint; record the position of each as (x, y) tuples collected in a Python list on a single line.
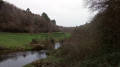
[(13, 40)]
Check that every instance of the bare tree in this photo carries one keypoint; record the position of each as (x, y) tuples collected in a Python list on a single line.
[(102, 4)]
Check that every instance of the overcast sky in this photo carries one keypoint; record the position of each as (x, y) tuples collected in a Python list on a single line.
[(65, 12)]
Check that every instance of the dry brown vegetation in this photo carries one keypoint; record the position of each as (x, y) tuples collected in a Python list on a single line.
[(94, 44)]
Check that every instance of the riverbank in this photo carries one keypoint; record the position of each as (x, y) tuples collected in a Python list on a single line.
[(20, 41), (50, 61), (21, 58), (42, 63), (25, 57)]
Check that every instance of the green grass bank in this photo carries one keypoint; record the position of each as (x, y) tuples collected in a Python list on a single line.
[(16, 40)]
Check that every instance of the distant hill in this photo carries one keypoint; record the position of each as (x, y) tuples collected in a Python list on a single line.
[(66, 29)]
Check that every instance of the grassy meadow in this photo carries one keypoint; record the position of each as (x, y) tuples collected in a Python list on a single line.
[(16, 40)]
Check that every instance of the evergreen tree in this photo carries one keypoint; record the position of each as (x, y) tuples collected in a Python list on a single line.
[(28, 10), (53, 21), (46, 16)]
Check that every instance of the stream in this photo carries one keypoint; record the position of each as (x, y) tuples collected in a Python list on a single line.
[(20, 59)]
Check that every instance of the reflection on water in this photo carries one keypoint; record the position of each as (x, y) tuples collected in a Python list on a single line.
[(21, 58), (57, 45)]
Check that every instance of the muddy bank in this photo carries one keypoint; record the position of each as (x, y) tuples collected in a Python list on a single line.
[(42, 63)]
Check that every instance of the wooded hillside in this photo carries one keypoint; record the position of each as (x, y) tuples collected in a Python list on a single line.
[(14, 19)]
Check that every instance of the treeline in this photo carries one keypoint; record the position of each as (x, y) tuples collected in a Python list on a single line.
[(95, 44), (66, 29), (13, 19)]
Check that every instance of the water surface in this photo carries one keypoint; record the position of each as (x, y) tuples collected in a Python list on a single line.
[(57, 45), (21, 58)]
